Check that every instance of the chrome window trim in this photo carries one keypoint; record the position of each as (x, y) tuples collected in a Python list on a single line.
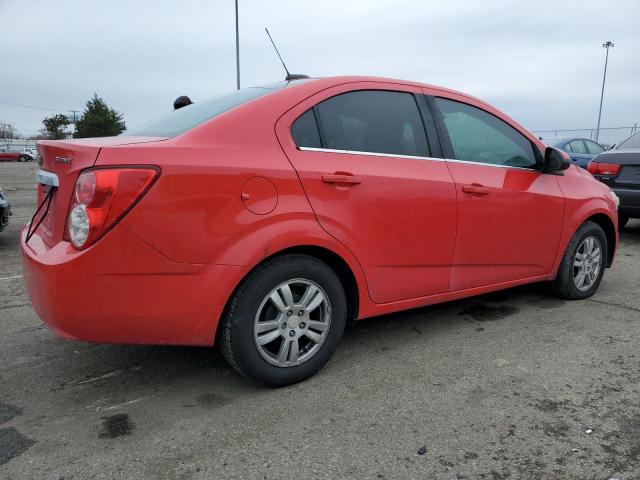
[(373, 154), (47, 178), (394, 155)]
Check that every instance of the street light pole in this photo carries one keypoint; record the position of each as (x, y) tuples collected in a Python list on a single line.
[(237, 50), (606, 45)]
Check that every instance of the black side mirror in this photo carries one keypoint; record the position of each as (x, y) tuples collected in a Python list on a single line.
[(555, 160)]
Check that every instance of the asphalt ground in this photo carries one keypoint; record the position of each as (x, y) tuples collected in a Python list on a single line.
[(517, 385)]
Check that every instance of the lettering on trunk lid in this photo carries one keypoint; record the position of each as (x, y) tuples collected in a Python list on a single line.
[(64, 159)]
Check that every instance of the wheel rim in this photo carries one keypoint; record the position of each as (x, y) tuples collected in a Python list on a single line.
[(292, 322), (587, 263)]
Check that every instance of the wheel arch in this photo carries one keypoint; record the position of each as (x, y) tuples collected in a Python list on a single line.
[(610, 232), (336, 262)]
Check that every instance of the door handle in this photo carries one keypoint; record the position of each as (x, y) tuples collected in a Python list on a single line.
[(341, 179), (475, 189)]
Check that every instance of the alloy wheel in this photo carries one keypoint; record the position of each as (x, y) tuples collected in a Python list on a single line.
[(587, 263), (292, 322)]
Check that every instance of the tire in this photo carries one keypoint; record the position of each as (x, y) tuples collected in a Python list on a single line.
[(568, 278), (252, 310), (622, 221), (23, 158)]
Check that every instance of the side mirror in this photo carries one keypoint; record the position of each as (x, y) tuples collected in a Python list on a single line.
[(555, 160)]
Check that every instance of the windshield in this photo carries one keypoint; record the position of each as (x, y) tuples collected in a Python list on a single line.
[(185, 118), (631, 142)]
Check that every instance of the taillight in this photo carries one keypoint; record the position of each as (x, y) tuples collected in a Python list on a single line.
[(599, 168), (103, 196)]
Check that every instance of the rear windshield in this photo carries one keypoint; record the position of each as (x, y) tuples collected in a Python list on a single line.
[(185, 118), (631, 142)]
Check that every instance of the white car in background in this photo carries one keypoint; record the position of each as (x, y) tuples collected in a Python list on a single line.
[(28, 154)]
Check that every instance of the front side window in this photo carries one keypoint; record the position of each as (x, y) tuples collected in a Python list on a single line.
[(375, 121), (593, 147), (478, 136)]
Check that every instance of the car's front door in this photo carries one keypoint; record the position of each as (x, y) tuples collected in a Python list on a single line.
[(366, 165), (510, 214)]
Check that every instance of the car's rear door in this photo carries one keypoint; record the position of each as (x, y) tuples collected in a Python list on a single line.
[(578, 152), (510, 214), (372, 177)]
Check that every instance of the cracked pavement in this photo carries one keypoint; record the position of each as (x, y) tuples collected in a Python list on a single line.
[(516, 384)]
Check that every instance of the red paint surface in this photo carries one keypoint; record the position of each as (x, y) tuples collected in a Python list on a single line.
[(226, 200)]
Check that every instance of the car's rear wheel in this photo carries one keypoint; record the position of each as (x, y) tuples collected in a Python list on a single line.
[(622, 221), (583, 263), (284, 321)]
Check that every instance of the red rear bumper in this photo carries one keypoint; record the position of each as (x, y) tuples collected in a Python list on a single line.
[(122, 290)]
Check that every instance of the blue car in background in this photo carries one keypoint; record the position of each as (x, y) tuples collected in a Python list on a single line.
[(581, 150)]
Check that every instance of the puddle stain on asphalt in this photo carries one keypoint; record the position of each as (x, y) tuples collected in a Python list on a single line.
[(7, 412), (12, 444), (485, 313), (116, 426), (212, 400)]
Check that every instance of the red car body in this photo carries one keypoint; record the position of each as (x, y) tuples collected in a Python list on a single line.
[(9, 156), (235, 190)]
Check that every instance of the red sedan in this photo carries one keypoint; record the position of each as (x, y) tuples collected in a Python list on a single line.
[(264, 219)]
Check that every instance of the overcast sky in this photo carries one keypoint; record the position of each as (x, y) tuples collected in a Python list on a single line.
[(541, 62)]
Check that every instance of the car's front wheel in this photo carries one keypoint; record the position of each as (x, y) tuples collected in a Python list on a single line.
[(583, 263), (284, 321)]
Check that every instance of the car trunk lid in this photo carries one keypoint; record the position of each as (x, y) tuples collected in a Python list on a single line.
[(66, 159)]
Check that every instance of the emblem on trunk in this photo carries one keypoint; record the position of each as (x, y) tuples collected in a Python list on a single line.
[(63, 159)]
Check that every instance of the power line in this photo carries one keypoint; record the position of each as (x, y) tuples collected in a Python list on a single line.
[(35, 107)]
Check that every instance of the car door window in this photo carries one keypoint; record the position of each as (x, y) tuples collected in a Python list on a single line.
[(305, 130), (478, 136), (376, 121), (577, 146), (567, 147), (593, 148)]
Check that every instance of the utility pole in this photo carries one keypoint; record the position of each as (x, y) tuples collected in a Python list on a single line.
[(237, 50), (606, 45)]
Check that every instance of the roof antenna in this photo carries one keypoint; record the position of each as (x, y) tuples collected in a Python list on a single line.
[(290, 76)]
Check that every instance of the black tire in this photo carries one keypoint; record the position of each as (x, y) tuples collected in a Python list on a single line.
[(563, 285), (236, 336), (622, 221), (23, 158)]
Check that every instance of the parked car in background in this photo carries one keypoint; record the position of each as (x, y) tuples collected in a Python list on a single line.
[(5, 211), (8, 155), (30, 154), (620, 170), (266, 218), (580, 150)]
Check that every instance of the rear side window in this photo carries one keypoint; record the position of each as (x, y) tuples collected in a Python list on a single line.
[(631, 142), (577, 146), (375, 121), (478, 136), (305, 130), (593, 147)]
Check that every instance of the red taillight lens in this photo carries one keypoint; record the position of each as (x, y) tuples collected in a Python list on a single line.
[(101, 198), (599, 168)]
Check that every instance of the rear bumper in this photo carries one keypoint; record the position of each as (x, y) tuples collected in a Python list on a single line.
[(121, 290), (629, 202)]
